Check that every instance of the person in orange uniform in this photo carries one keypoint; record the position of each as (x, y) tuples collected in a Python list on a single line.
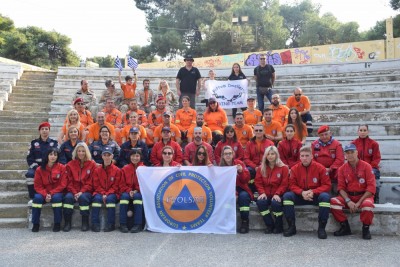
[(303, 105), (50, 182), (80, 187), (206, 132), (106, 179), (185, 117), (252, 116), (289, 147), (133, 107), (243, 131), (300, 127), (272, 181), (215, 119), (71, 120), (368, 151), (280, 112), (129, 89), (94, 129), (229, 139), (175, 132), (329, 152), (356, 186), (85, 116), (133, 122), (156, 152), (114, 117), (254, 152), (272, 129), (155, 118)]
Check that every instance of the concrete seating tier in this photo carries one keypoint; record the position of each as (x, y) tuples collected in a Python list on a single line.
[(9, 74)]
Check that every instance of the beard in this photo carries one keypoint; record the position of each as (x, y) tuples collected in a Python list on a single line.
[(197, 138)]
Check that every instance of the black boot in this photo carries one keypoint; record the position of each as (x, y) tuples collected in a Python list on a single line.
[(35, 228), (85, 223), (56, 227), (269, 229), (344, 229), (244, 228), (136, 228), (365, 232), (95, 228), (278, 225), (67, 222), (321, 230), (291, 230), (123, 228), (109, 228)]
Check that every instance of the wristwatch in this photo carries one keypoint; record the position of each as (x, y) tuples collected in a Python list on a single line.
[(347, 200)]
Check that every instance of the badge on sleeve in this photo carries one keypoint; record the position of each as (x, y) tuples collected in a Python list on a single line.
[(112, 179), (361, 180), (36, 144), (51, 143), (370, 151), (235, 148), (244, 132), (278, 175), (58, 176), (315, 180), (94, 153), (88, 171)]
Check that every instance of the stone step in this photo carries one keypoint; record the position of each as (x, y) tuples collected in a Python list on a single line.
[(350, 128), (14, 197), (17, 119), (31, 94), (38, 76), (384, 103), (13, 146), (25, 138), (14, 129), (13, 164), (34, 89), (12, 185), (14, 154), (13, 211), (30, 98), (28, 107), (356, 115), (13, 174), (13, 222)]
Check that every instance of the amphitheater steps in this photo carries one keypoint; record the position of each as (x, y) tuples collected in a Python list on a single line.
[(27, 106)]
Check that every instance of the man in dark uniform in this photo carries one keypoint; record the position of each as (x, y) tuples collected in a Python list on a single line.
[(188, 82), (264, 74)]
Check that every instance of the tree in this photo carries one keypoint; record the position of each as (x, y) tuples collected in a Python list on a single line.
[(144, 54), (378, 32), (395, 4), (105, 62), (347, 32)]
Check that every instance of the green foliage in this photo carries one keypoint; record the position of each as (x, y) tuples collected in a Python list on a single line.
[(105, 62), (378, 32), (143, 54), (395, 4)]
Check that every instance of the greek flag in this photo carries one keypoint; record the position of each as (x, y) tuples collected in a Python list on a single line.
[(118, 64), (132, 63)]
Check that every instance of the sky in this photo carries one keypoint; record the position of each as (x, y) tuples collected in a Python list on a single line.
[(101, 28)]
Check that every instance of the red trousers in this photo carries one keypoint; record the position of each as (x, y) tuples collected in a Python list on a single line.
[(366, 216)]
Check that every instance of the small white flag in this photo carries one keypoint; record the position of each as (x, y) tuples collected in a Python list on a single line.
[(132, 63), (118, 64)]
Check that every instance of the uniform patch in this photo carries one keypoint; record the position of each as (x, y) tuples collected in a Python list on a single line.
[(36, 144), (278, 175), (315, 180), (361, 180), (58, 176), (244, 132), (316, 155), (112, 179), (51, 143), (333, 156), (370, 151), (94, 153), (316, 146), (88, 171), (235, 148)]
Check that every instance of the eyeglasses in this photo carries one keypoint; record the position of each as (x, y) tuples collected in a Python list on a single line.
[(258, 131), (212, 102), (297, 94), (228, 153), (201, 153), (262, 58), (230, 131), (167, 153), (136, 149)]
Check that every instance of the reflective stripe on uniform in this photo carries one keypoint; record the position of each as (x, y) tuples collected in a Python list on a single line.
[(325, 204), (96, 205), (84, 207), (277, 214), (336, 207), (110, 205), (137, 202), (124, 202), (68, 206), (288, 203), (56, 205), (367, 209), (244, 208), (29, 181), (265, 212), (38, 206)]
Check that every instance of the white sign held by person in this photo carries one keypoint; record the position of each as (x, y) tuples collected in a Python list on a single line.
[(189, 199), (229, 94)]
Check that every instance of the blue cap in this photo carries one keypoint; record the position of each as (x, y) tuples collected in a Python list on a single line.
[(134, 130), (107, 149), (350, 147), (165, 129)]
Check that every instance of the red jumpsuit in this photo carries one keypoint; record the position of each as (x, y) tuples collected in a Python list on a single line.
[(243, 178), (368, 151), (156, 152), (129, 181), (275, 183), (106, 180), (236, 146), (314, 177), (50, 180), (289, 151), (80, 179), (355, 183), (329, 155), (254, 153)]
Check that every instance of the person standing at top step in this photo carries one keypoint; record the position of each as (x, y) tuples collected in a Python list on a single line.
[(265, 76), (129, 89), (302, 104), (188, 82), (88, 96), (236, 74)]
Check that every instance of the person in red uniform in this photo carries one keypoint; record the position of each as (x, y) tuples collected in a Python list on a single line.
[(254, 152), (309, 184), (356, 185), (106, 178), (329, 152), (130, 192), (368, 151), (201, 157), (243, 192), (50, 182), (156, 153), (167, 153), (191, 148), (289, 147), (229, 139), (80, 187), (272, 181)]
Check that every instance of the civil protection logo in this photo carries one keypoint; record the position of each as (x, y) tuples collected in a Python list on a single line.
[(184, 200)]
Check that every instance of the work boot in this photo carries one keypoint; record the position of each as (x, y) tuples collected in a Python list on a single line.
[(109, 228), (67, 223), (95, 228), (244, 228), (365, 232), (85, 223), (344, 229), (278, 225), (291, 230), (56, 227), (35, 228), (123, 228), (269, 229), (136, 228), (321, 230)]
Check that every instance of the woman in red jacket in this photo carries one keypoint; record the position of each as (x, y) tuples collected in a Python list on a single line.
[(229, 139), (368, 150), (80, 185), (201, 158), (168, 158), (289, 147), (49, 183), (271, 181), (130, 192), (243, 192), (106, 178)]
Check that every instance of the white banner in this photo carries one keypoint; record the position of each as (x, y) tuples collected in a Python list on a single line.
[(189, 199), (230, 94)]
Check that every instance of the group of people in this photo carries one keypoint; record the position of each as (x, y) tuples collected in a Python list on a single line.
[(97, 159)]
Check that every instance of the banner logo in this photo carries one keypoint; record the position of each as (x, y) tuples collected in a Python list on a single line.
[(184, 200)]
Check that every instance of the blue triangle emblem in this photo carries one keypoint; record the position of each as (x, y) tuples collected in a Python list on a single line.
[(184, 201)]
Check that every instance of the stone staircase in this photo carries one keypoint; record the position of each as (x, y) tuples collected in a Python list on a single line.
[(27, 106)]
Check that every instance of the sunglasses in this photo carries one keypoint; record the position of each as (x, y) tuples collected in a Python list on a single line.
[(80, 104), (262, 58), (258, 131), (228, 154), (230, 131), (297, 94), (201, 153), (167, 153)]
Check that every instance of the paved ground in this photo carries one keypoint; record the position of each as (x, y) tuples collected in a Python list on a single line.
[(20, 247)]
